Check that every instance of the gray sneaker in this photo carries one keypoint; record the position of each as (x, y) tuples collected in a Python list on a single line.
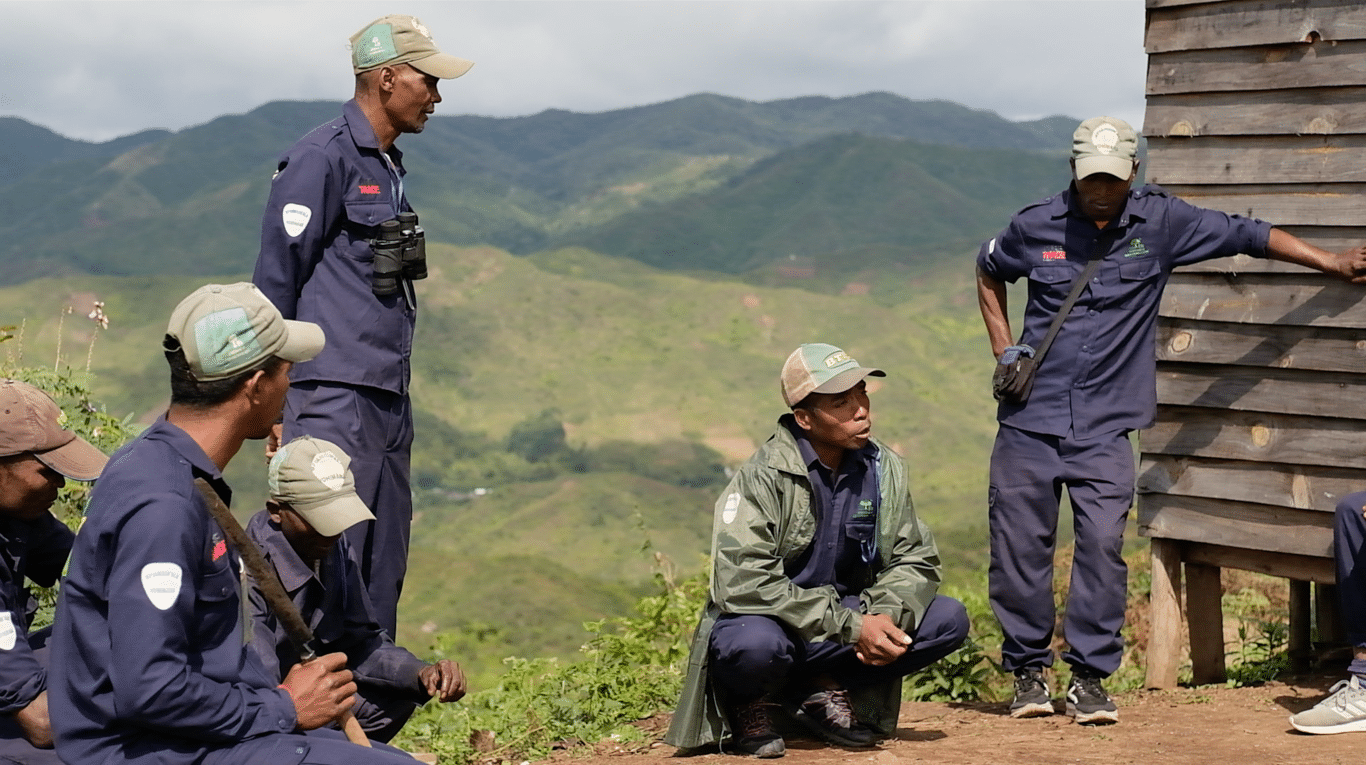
[(1088, 703), (1031, 694), (1344, 711)]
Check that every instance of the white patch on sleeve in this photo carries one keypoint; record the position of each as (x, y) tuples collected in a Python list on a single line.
[(991, 246), (296, 218), (732, 505), (161, 582), (7, 632)]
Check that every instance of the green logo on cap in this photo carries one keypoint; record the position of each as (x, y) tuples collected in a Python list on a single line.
[(224, 338), (375, 46)]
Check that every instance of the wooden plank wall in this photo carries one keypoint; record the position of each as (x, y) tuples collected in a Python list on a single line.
[(1258, 107)]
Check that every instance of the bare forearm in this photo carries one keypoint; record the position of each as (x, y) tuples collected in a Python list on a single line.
[(1349, 265), (991, 300)]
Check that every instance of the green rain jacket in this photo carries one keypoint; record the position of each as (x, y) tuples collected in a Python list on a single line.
[(763, 521)]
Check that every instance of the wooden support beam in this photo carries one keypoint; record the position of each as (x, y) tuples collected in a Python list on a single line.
[(1164, 632), (1205, 618), (1299, 649), (1327, 614)]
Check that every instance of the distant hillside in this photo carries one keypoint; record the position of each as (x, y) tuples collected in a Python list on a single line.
[(629, 361), (189, 202), (30, 147), (829, 200)]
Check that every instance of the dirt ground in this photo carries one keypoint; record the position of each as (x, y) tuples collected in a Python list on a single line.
[(1187, 726)]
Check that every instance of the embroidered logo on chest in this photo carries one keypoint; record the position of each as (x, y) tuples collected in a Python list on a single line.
[(1136, 248), (368, 188), (1054, 255)]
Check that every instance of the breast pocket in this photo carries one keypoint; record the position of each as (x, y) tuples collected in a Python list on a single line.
[(1139, 270), (1053, 275), (363, 218)]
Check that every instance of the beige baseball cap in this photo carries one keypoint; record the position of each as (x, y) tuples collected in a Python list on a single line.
[(401, 39), (821, 368), (30, 421), (226, 329), (314, 478), (1104, 145)]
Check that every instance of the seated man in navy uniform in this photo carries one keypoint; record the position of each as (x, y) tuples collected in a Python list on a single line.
[(824, 587), (312, 501), (1344, 711), (37, 455), (149, 664)]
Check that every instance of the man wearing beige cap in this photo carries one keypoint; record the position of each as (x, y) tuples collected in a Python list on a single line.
[(312, 501), (37, 455), (149, 662), (340, 246), (824, 582), (1095, 384)]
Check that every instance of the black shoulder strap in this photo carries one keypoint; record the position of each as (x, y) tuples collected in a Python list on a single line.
[(1077, 287)]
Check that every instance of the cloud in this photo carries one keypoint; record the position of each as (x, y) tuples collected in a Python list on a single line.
[(127, 66)]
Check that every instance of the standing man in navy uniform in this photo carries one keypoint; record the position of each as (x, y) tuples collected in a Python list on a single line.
[(1097, 383), (37, 455), (149, 664), (330, 195)]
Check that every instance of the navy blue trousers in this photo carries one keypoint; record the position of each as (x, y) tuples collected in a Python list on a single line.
[(316, 747), (1349, 540), (375, 429), (756, 655), (14, 748), (1028, 472)]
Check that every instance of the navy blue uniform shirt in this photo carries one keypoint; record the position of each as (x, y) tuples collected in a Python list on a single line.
[(334, 604), (1100, 375), (846, 508), (35, 550), (148, 659), (333, 188)]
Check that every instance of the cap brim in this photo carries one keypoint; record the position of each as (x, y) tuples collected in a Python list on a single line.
[(335, 514), (76, 459), (304, 341), (848, 379), (1119, 167), (442, 65)]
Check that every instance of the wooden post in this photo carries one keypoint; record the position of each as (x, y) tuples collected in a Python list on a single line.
[(1205, 616), (1164, 633), (1297, 648), (1327, 615)]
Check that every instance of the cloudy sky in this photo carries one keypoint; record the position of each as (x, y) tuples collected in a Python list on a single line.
[(98, 70)]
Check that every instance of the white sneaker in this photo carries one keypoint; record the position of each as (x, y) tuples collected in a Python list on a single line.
[(1344, 711)]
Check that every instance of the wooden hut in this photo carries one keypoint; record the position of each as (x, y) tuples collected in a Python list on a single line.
[(1255, 107)]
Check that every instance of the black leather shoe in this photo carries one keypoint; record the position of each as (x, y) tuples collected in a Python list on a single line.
[(829, 715)]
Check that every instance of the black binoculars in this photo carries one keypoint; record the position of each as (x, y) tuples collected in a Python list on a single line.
[(400, 251)]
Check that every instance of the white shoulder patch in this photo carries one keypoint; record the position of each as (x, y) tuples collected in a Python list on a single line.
[(7, 632), (991, 246), (732, 505), (296, 218), (161, 582)]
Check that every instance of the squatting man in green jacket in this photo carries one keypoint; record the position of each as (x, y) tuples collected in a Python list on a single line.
[(823, 584)]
